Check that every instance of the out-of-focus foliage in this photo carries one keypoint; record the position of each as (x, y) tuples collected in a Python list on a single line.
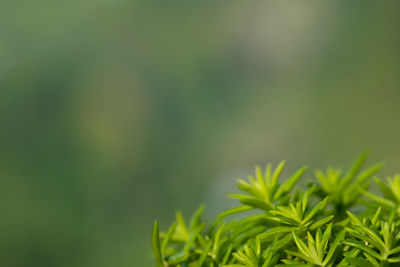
[(113, 113)]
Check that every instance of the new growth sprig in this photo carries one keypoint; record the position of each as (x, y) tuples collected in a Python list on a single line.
[(334, 221)]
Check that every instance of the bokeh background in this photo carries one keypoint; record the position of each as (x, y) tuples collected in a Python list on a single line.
[(114, 113)]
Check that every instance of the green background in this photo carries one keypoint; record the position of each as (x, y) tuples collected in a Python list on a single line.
[(116, 113)]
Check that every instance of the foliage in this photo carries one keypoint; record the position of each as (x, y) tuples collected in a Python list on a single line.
[(335, 222)]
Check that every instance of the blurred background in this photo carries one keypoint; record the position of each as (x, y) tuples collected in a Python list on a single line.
[(115, 113)]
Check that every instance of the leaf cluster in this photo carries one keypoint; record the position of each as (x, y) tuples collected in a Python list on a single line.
[(334, 221)]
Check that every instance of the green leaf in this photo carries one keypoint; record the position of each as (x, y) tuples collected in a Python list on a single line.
[(196, 217), (354, 169), (277, 172), (288, 185), (192, 238), (316, 209), (156, 245), (333, 247), (301, 245), (386, 190), (178, 258), (377, 199), (321, 222), (167, 238), (204, 254), (357, 261), (363, 247)]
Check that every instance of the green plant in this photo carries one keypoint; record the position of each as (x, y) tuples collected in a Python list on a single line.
[(334, 222)]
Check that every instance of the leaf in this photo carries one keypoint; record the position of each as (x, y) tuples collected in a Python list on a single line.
[(178, 258), (204, 254), (357, 261), (271, 234), (354, 169), (363, 247), (301, 245), (386, 191), (181, 224), (167, 238), (192, 238), (156, 245), (288, 185), (227, 254), (196, 217), (315, 210), (333, 247), (377, 199), (277, 172), (321, 222)]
